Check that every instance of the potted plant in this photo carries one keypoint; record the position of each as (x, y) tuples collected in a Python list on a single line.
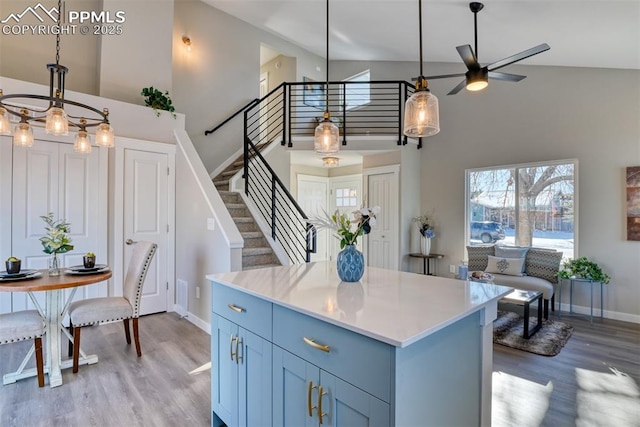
[(13, 265), (158, 100), (55, 241), (427, 232), (89, 260), (582, 268)]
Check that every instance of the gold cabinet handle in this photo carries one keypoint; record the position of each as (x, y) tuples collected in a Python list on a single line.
[(238, 347), (321, 393), (315, 345), (231, 353), (236, 308), (311, 408)]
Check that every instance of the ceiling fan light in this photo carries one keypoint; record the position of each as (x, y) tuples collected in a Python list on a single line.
[(23, 135), (477, 80), (325, 141), (57, 122), (421, 115)]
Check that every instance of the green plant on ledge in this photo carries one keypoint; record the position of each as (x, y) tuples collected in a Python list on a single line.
[(158, 100), (583, 268)]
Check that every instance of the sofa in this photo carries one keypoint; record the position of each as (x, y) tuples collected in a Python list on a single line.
[(532, 269)]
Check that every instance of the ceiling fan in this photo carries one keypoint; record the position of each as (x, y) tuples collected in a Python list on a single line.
[(477, 76)]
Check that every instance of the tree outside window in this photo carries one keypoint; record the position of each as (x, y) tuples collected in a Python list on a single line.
[(542, 215)]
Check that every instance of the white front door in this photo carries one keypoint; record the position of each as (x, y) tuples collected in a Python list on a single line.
[(312, 198), (345, 195), (146, 218), (382, 243)]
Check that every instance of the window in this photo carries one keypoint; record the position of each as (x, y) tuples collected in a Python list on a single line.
[(358, 93), (543, 214), (346, 197)]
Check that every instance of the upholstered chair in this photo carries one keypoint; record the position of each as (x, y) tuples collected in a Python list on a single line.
[(108, 309), (22, 326)]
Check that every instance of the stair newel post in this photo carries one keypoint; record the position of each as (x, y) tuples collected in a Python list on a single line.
[(273, 206), (286, 118), (400, 100), (246, 156), (344, 114)]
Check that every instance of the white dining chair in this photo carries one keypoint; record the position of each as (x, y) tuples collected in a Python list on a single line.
[(21, 326), (107, 309)]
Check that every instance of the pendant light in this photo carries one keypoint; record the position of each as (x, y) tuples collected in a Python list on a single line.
[(56, 120), (421, 115), (326, 138)]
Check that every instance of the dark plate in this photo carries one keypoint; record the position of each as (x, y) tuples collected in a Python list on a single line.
[(82, 269), (14, 278), (21, 273), (85, 271)]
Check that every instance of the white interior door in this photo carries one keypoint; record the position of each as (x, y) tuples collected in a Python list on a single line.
[(51, 177), (383, 242), (146, 218), (312, 198), (264, 107), (345, 195)]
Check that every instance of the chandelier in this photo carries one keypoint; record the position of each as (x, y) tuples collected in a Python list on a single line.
[(326, 139), (421, 116), (56, 112)]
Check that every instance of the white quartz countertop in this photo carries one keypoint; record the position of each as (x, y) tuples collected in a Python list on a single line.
[(394, 307)]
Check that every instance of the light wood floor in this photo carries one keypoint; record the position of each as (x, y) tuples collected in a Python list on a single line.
[(157, 389)]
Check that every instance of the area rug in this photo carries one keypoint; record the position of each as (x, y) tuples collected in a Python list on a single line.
[(548, 341)]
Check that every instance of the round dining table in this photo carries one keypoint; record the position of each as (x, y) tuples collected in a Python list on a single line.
[(55, 309)]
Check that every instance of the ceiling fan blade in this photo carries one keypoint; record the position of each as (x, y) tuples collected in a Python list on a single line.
[(518, 57), (507, 77), (458, 88), (468, 57), (443, 76)]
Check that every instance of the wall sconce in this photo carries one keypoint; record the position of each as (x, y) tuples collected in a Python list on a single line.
[(187, 43)]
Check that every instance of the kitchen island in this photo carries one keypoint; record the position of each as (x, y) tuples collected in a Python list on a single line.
[(295, 346)]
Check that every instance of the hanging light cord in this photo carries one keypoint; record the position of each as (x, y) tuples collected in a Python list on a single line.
[(420, 33), (326, 91), (58, 33)]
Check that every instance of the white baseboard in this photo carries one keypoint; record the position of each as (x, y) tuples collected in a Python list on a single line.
[(614, 315), (198, 322)]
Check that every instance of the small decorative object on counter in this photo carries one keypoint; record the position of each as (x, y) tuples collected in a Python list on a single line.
[(463, 271), (89, 260), (13, 265), (350, 261), (56, 241)]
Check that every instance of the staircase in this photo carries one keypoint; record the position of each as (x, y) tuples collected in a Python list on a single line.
[(256, 252)]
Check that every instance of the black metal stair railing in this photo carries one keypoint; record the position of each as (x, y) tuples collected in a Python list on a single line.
[(293, 110)]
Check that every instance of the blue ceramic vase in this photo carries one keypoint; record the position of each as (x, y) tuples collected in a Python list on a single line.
[(350, 264)]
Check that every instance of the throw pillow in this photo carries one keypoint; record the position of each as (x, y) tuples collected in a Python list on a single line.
[(478, 256), (512, 252), (508, 266)]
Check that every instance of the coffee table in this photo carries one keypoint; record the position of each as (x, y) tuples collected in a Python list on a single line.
[(525, 298)]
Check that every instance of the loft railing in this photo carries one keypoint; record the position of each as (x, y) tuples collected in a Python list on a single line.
[(293, 110)]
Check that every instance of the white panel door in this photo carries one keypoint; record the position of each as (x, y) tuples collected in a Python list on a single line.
[(382, 242), (51, 177), (146, 218), (312, 198)]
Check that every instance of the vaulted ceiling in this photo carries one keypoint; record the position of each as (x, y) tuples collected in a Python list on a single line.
[(601, 34)]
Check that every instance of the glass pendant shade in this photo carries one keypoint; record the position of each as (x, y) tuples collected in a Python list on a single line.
[(5, 124), (105, 136), (421, 115), (57, 122), (23, 135), (325, 141), (82, 143)]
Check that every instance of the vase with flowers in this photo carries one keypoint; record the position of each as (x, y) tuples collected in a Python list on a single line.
[(350, 261), (56, 241), (427, 232)]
